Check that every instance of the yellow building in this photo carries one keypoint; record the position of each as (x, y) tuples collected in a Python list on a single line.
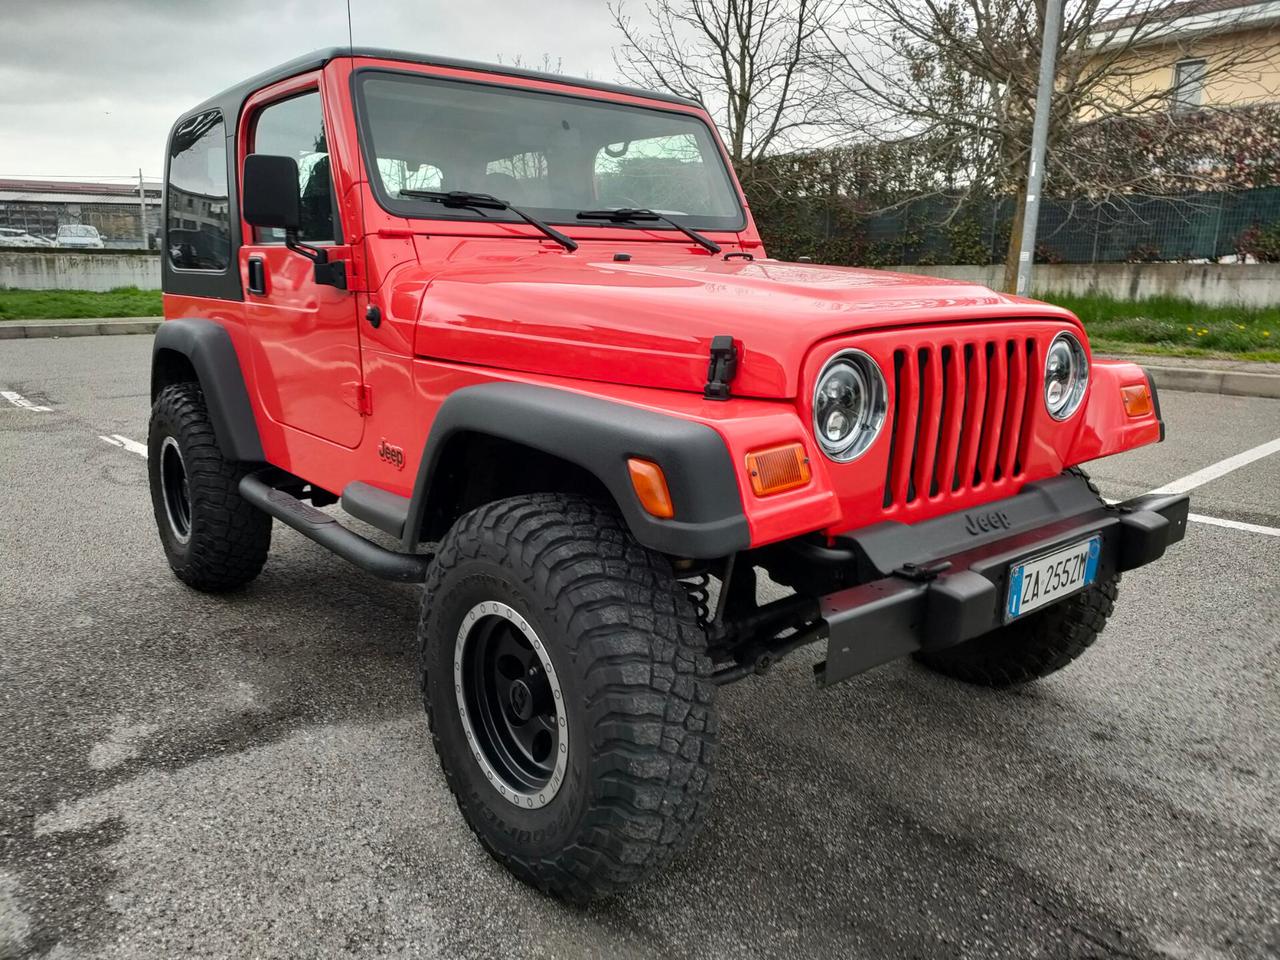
[(1187, 56)]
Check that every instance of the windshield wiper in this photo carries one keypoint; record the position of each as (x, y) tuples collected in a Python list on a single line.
[(629, 215), (465, 200)]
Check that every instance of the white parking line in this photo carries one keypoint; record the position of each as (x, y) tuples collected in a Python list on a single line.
[(133, 446), (1234, 524), (18, 400), (1220, 469)]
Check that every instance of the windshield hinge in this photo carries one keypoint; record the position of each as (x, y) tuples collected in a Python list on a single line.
[(723, 366)]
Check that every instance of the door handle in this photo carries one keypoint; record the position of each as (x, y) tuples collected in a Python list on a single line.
[(257, 275)]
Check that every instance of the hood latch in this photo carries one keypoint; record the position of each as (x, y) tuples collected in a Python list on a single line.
[(723, 366)]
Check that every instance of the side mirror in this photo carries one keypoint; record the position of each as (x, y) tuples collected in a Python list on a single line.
[(270, 194)]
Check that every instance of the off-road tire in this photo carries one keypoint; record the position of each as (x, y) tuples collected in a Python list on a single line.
[(228, 538), (1036, 645), (637, 694)]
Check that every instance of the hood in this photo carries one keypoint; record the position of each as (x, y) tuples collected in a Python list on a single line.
[(651, 323)]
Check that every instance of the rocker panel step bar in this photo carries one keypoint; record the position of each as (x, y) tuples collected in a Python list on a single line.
[(326, 531)]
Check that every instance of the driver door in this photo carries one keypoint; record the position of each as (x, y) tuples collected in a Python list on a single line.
[(307, 345)]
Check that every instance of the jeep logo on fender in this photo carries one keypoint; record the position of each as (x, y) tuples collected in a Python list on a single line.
[(392, 454), (976, 523)]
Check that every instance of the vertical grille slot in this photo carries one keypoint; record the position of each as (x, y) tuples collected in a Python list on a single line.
[(962, 415)]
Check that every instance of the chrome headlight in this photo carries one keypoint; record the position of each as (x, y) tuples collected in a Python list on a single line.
[(849, 404), (1066, 375)]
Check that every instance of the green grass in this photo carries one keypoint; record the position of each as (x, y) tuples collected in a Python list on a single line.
[(59, 304), (1174, 327)]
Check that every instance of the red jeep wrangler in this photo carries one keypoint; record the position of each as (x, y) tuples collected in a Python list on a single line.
[(524, 328)]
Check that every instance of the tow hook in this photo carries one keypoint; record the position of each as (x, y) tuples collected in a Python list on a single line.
[(923, 573)]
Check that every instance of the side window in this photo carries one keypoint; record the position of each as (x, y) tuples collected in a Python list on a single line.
[(199, 218), (295, 128)]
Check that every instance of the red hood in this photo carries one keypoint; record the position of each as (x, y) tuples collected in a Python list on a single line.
[(650, 322)]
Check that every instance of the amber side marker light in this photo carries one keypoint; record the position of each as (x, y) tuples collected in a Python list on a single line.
[(776, 469), (650, 484), (1137, 399)]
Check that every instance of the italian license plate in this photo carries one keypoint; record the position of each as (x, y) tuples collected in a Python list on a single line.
[(1036, 582)]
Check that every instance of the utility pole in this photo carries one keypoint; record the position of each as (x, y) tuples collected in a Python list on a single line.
[(1039, 136), (142, 211)]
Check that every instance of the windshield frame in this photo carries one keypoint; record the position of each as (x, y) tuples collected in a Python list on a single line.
[(422, 210)]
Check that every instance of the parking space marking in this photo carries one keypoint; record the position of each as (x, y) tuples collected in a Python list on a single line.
[(18, 400), (1234, 524), (1220, 469), (133, 446)]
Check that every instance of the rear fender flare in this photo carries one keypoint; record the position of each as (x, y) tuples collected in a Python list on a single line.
[(207, 347)]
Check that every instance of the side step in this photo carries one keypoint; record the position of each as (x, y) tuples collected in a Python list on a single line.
[(326, 531)]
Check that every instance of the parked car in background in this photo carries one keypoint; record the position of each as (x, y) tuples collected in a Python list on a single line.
[(79, 235), (13, 237)]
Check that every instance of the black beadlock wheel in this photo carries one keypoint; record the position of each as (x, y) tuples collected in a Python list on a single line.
[(1036, 645), (213, 539), (568, 692)]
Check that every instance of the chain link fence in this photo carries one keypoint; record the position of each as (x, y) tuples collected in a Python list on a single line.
[(1189, 227), (49, 217)]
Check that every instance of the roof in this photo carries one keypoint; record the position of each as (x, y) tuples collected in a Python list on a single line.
[(1200, 14), (127, 189), (231, 99), (71, 191)]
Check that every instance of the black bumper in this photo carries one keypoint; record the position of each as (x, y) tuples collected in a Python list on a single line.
[(945, 579)]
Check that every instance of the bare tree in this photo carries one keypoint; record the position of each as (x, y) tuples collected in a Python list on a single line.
[(763, 68), (961, 76)]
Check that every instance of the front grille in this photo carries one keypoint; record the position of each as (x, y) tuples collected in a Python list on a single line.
[(961, 417)]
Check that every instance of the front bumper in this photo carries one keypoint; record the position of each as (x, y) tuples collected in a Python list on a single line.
[(944, 581)]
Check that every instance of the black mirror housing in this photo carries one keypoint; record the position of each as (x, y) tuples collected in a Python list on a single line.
[(271, 195)]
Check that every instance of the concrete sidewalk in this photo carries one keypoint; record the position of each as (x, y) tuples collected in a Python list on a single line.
[(1240, 378), (76, 327), (1236, 378)]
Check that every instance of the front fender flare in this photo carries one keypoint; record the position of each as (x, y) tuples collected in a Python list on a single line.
[(599, 436)]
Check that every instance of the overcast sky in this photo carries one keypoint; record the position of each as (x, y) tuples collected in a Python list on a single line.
[(89, 88)]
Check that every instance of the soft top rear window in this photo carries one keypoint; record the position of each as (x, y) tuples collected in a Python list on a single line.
[(198, 224)]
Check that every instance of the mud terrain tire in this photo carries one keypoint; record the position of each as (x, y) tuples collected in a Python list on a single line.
[(214, 540), (608, 632)]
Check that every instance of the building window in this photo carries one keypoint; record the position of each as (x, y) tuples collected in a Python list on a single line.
[(1188, 85), (198, 172)]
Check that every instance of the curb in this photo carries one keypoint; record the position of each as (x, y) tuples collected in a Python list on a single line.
[(1231, 383), (11, 330)]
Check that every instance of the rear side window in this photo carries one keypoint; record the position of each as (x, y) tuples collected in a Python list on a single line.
[(295, 128), (199, 218)]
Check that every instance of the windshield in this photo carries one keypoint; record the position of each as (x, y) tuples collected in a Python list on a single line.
[(77, 230), (549, 154)]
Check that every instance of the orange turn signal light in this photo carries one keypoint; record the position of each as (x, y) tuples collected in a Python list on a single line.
[(650, 484), (775, 469), (1137, 399)]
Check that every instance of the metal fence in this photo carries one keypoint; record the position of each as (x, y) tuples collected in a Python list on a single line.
[(1205, 227), (117, 224)]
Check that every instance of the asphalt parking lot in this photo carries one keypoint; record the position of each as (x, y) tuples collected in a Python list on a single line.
[(252, 776)]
